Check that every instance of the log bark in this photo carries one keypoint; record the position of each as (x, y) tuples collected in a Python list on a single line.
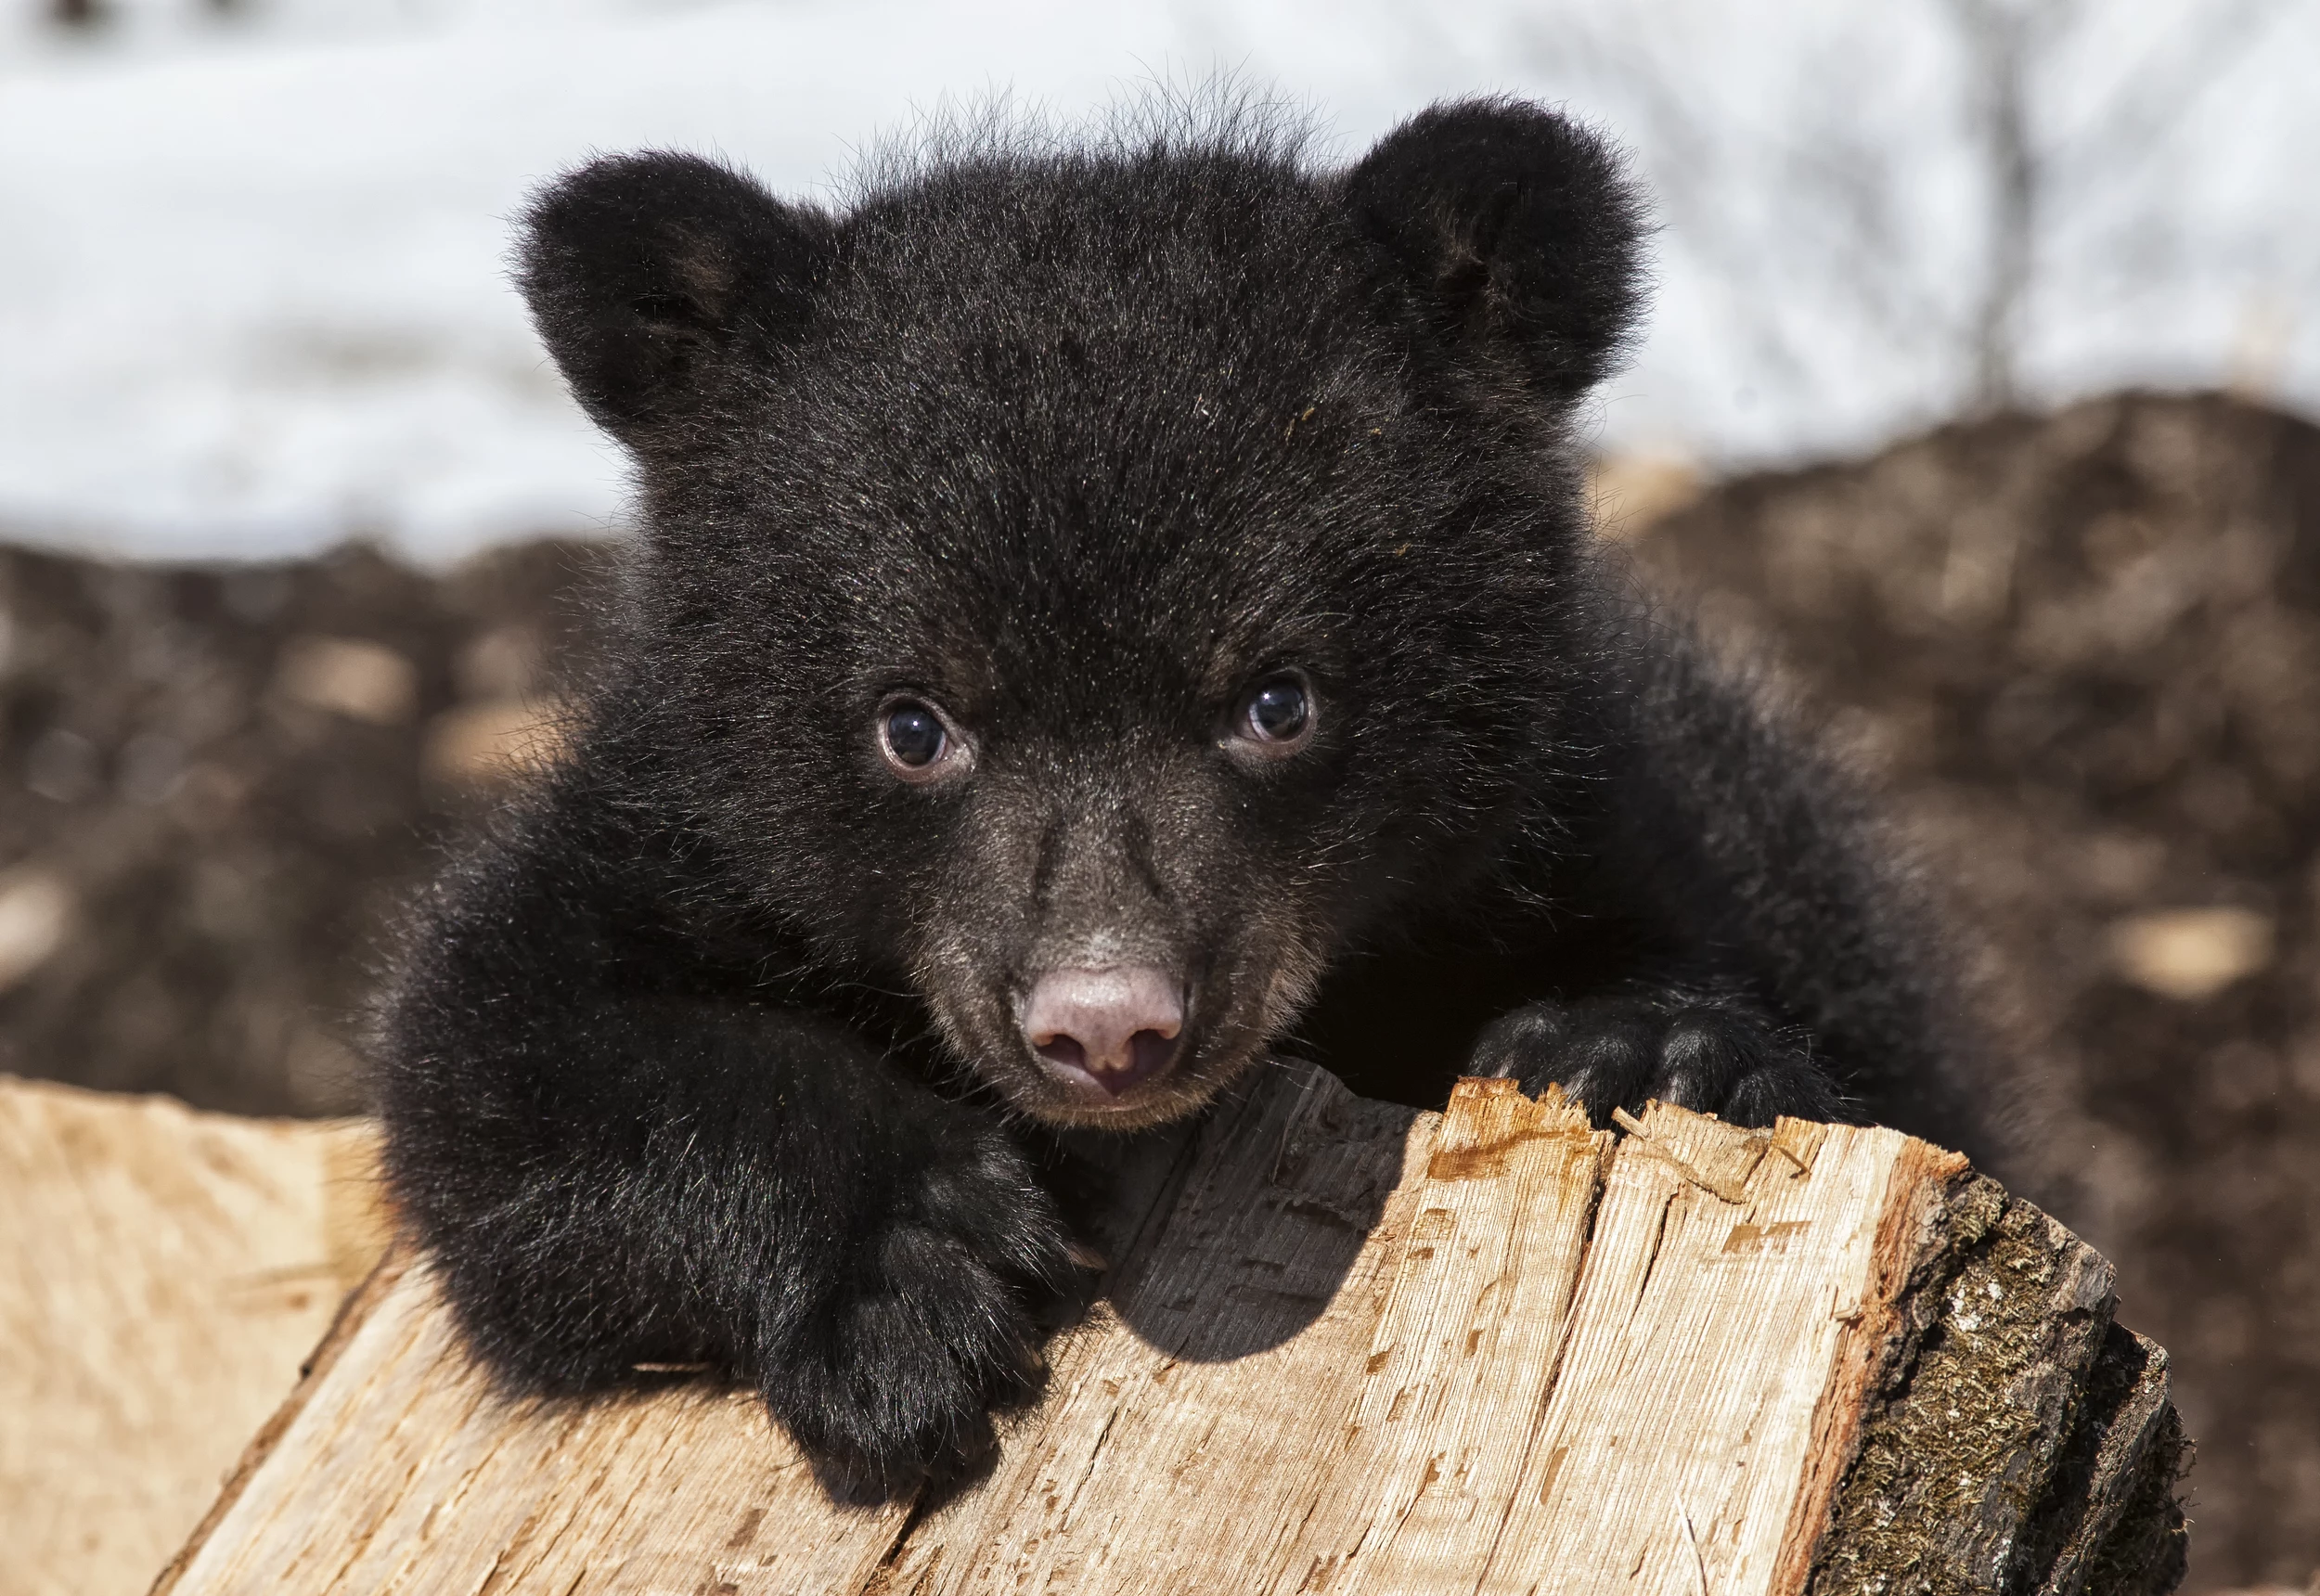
[(1347, 1347)]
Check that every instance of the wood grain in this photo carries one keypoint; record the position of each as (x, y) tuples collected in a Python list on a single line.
[(1348, 1347), (1464, 1352), (162, 1274)]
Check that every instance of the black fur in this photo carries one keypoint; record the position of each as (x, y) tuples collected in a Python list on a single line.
[(710, 1057)]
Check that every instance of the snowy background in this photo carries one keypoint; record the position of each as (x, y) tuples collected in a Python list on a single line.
[(254, 296)]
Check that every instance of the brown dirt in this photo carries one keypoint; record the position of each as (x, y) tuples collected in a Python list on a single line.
[(2082, 654), (215, 785)]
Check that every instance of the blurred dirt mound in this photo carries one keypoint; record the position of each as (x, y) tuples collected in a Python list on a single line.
[(216, 782), (2082, 652)]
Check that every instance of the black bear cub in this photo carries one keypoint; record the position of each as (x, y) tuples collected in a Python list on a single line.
[(1104, 613)]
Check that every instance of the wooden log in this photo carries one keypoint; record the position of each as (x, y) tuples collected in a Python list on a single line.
[(1347, 1347), (162, 1275)]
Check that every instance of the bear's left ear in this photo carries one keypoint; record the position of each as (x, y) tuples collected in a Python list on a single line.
[(1500, 224), (644, 272)]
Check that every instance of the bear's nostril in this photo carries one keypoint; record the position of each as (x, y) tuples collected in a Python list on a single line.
[(1064, 1050), (1106, 1029), (1149, 1053)]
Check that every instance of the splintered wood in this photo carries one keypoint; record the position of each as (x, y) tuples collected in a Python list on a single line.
[(1350, 1348)]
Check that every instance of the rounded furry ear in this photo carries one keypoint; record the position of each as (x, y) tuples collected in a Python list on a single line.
[(1500, 224), (643, 271)]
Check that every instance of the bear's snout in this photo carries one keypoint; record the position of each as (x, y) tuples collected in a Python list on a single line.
[(1103, 1031)]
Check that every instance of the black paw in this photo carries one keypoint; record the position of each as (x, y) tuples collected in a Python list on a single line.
[(938, 1325), (1716, 1054)]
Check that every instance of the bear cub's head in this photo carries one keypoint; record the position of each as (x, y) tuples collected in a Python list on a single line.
[(1089, 586)]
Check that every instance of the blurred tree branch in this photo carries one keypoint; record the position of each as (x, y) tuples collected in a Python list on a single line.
[(1829, 176), (1999, 37)]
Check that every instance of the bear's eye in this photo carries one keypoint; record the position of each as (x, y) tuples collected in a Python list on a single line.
[(915, 741), (1277, 715)]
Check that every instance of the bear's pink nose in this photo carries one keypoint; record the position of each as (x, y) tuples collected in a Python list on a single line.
[(1110, 1028)]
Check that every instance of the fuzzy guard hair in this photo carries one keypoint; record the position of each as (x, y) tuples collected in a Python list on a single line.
[(714, 1054)]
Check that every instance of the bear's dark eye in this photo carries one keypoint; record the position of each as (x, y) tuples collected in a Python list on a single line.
[(914, 739), (914, 734), (1277, 714)]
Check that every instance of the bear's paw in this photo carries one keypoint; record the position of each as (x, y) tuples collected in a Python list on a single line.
[(937, 1327), (1711, 1052)]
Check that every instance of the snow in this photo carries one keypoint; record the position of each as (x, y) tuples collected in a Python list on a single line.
[(253, 295)]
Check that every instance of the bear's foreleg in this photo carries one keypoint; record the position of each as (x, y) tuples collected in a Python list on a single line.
[(609, 1183)]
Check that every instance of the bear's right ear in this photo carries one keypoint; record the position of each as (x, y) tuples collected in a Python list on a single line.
[(642, 271)]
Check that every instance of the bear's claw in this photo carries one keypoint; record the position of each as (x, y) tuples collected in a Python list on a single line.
[(1713, 1052)]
